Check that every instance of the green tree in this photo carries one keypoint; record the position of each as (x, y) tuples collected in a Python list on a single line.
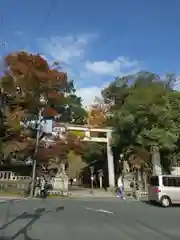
[(145, 112), (77, 114), (93, 152)]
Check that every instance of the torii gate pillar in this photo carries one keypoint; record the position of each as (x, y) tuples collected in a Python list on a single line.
[(110, 160)]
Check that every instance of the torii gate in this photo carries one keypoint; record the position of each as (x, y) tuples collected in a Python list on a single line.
[(87, 131)]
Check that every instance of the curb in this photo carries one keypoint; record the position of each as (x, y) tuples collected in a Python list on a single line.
[(103, 200), (92, 197), (99, 197), (11, 198)]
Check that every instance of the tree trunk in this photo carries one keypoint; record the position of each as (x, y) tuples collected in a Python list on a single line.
[(156, 161)]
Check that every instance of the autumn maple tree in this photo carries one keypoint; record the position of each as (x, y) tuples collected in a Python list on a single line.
[(59, 150), (27, 79), (97, 115)]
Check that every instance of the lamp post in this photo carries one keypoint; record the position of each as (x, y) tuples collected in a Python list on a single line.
[(42, 101)]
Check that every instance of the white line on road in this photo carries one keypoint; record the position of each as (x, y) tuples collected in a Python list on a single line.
[(91, 209), (105, 211), (99, 210)]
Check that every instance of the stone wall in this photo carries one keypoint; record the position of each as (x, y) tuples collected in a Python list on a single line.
[(11, 183)]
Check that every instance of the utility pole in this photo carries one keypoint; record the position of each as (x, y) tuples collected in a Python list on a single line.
[(36, 149)]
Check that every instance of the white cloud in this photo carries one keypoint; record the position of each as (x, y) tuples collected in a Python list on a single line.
[(115, 67), (73, 52), (65, 49), (89, 94), (177, 84)]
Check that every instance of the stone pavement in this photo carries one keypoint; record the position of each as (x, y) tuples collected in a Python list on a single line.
[(91, 193), (79, 192)]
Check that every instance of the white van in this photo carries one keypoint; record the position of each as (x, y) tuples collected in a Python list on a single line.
[(164, 189)]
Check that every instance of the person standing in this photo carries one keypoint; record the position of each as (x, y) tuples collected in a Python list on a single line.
[(120, 188), (71, 181), (43, 188)]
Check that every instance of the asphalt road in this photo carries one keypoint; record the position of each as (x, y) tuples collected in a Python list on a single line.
[(69, 219)]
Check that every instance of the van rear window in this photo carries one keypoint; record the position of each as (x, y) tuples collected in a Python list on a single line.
[(154, 181)]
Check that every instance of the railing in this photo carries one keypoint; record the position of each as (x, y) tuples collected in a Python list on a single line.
[(5, 175), (20, 178), (9, 175)]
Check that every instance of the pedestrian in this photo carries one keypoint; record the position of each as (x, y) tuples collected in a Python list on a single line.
[(43, 189), (133, 187), (120, 186), (71, 181)]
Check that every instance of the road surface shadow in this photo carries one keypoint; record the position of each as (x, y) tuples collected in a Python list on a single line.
[(156, 204), (8, 201), (12, 221), (23, 231)]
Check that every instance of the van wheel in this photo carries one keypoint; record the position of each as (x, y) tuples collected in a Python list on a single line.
[(165, 201)]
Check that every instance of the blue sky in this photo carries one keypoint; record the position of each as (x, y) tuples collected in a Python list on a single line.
[(95, 40)]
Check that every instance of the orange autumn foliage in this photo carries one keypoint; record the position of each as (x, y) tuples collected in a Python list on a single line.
[(60, 148), (49, 112), (97, 115), (27, 79), (34, 77)]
